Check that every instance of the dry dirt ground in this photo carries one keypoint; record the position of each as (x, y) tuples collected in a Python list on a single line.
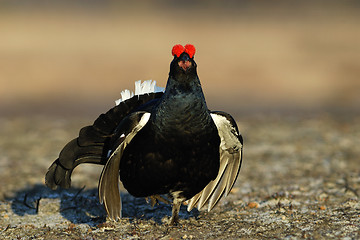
[(300, 179)]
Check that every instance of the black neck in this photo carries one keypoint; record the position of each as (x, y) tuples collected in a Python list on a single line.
[(182, 106)]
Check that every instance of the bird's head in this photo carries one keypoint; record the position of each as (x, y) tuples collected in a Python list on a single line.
[(183, 63)]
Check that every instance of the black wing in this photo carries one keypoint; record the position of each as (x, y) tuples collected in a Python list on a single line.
[(94, 141), (109, 193), (230, 162)]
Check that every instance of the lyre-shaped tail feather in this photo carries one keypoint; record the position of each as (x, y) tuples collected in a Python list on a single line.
[(93, 143)]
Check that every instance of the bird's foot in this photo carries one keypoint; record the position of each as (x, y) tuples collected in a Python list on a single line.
[(154, 199), (174, 220)]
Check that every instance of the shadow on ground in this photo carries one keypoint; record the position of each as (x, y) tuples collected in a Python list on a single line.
[(81, 205)]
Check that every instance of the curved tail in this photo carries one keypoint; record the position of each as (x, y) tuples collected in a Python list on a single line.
[(93, 143)]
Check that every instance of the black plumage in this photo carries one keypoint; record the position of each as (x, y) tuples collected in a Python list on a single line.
[(159, 143)]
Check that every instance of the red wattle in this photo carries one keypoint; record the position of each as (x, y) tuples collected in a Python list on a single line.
[(177, 50), (190, 49)]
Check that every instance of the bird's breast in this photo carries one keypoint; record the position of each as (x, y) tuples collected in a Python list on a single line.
[(182, 116)]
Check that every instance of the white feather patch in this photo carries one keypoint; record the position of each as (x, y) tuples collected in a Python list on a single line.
[(148, 86), (227, 132)]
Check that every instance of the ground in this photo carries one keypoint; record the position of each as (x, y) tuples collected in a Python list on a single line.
[(300, 178)]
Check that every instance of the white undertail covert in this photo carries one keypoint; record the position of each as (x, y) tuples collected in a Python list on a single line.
[(148, 86)]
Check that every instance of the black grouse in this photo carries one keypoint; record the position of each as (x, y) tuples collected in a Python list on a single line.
[(159, 143)]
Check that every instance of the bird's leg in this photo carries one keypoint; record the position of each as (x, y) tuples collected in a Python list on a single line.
[(175, 211)]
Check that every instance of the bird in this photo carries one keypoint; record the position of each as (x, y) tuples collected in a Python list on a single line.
[(159, 142)]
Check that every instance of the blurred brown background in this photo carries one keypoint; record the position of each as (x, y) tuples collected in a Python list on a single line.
[(59, 57)]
